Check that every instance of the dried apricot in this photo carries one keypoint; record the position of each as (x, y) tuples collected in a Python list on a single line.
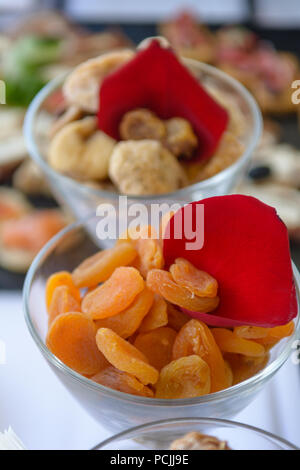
[(229, 374), (128, 321), (157, 346), (125, 356), (276, 334), (176, 318), (196, 338), (149, 251), (62, 302), (121, 381), (114, 295), (250, 332), (162, 283), (244, 367), (99, 267), (229, 342), (61, 278), (71, 337), (198, 282), (186, 377), (156, 317)]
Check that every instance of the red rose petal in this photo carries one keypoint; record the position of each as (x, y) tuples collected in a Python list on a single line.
[(246, 248), (156, 79)]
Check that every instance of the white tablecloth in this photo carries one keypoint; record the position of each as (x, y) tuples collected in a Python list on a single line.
[(45, 416)]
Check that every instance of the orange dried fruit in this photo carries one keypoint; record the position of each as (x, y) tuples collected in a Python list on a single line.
[(128, 321), (99, 267), (121, 381), (198, 282), (149, 251), (230, 343), (61, 278), (244, 367), (157, 346), (276, 334), (114, 295), (176, 318), (33, 230), (156, 317), (71, 338), (229, 374), (124, 356), (186, 377), (162, 283), (62, 302), (250, 332), (196, 338)]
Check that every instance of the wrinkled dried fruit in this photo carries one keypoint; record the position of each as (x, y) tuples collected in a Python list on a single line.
[(125, 357), (244, 367), (250, 332), (197, 441), (121, 381), (62, 302), (149, 250), (276, 334), (198, 282), (99, 267), (229, 374), (114, 295), (156, 317), (61, 278), (186, 377), (162, 283), (141, 124), (230, 343), (71, 338), (128, 321), (176, 318), (180, 139), (196, 338), (157, 346)]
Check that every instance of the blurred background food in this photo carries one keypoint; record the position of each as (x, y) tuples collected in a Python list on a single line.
[(254, 41)]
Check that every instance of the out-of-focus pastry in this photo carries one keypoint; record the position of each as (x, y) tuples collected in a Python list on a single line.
[(29, 179), (22, 237), (267, 72), (12, 204), (189, 38)]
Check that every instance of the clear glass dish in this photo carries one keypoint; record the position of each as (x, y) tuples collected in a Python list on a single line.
[(114, 410), (238, 436), (82, 199)]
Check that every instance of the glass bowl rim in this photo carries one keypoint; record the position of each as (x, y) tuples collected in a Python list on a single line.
[(45, 92), (267, 371), (198, 420)]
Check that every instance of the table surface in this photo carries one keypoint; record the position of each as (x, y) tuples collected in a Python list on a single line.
[(45, 415)]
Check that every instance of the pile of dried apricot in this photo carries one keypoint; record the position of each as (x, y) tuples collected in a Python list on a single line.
[(118, 320)]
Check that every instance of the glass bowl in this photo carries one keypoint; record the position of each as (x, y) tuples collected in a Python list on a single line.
[(82, 199), (114, 410), (238, 436)]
